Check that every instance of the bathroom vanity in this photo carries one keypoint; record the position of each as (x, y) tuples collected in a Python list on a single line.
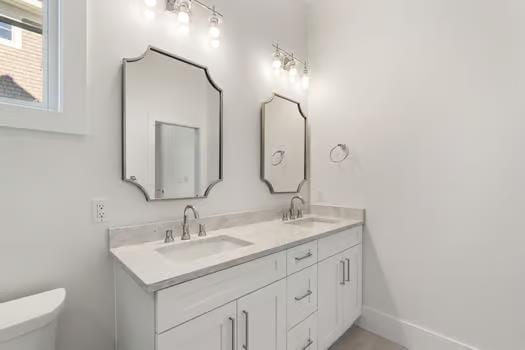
[(266, 285), (252, 282)]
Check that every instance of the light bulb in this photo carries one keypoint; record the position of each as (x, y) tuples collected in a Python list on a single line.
[(215, 43), (293, 70), (183, 12), (305, 80), (150, 3), (215, 30), (183, 17), (277, 62)]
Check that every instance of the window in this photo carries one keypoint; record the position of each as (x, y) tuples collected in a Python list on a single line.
[(28, 63), (6, 31), (43, 79), (10, 36)]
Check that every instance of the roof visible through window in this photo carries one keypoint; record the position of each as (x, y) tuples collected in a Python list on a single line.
[(22, 61)]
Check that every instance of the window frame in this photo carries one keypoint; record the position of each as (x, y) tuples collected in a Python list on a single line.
[(16, 37), (9, 29), (64, 59)]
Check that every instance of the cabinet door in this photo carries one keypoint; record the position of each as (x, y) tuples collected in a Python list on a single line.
[(212, 331), (330, 303), (352, 295), (262, 319)]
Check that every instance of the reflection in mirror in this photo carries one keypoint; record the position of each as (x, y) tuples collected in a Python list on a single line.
[(283, 149), (172, 127)]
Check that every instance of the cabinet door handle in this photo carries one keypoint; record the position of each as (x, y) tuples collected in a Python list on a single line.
[(310, 343), (304, 296), (232, 320), (343, 280), (347, 270), (246, 326), (308, 255)]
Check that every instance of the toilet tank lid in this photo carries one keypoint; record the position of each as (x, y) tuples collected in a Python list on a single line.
[(21, 316)]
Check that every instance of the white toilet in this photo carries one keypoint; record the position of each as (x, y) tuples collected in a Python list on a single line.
[(30, 323)]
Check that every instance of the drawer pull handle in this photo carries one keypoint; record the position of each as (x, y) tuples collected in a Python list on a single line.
[(232, 320), (310, 343), (308, 255), (304, 296), (347, 270), (344, 265), (246, 326)]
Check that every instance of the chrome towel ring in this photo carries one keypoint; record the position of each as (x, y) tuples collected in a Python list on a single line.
[(278, 157), (335, 158)]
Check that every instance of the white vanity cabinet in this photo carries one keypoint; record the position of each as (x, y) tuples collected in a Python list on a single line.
[(305, 297), (340, 294)]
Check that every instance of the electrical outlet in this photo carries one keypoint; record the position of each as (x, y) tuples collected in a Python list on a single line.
[(100, 210)]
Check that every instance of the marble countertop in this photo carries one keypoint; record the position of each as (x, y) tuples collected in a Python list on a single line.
[(154, 271)]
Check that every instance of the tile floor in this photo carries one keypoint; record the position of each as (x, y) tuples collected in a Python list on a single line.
[(359, 339)]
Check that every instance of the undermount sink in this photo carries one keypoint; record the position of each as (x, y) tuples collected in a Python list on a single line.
[(193, 250), (309, 222)]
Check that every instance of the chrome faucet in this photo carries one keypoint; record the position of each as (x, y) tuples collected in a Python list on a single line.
[(296, 214), (185, 226)]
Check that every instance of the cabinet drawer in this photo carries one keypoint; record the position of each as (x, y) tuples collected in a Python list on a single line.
[(185, 301), (301, 295), (304, 335), (339, 242), (301, 257)]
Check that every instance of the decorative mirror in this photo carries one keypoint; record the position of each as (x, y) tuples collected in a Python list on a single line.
[(283, 149), (172, 127)]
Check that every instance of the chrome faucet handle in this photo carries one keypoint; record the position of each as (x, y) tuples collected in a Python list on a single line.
[(285, 215), (300, 213), (202, 230), (185, 232), (169, 236)]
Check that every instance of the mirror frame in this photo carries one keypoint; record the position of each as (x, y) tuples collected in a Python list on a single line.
[(263, 145), (125, 178)]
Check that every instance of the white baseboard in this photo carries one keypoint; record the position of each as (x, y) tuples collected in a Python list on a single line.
[(407, 334)]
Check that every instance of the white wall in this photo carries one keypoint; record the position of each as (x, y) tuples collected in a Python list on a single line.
[(429, 95), (47, 181)]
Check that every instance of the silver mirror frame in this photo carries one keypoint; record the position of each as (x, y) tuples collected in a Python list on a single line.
[(263, 134), (125, 178)]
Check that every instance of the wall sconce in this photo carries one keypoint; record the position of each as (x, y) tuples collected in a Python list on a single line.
[(287, 61), (183, 9)]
